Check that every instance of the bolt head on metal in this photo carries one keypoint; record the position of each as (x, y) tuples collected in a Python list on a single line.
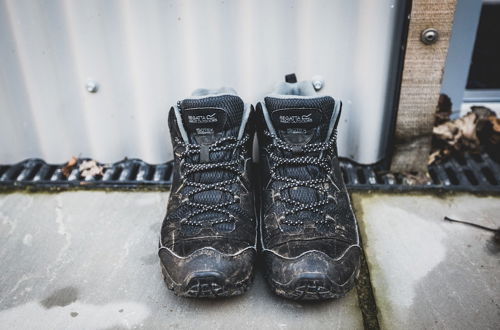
[(92, 86), (317, 82), (429, 36)]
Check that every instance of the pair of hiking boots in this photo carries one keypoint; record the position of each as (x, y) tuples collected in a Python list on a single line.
[(291, 207)]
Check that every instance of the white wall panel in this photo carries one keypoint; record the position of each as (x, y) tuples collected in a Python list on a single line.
[(145, 55)]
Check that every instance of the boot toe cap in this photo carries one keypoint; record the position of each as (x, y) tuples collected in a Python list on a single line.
[(208, 272), (312, 275)]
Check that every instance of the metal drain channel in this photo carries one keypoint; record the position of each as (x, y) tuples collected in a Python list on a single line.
[(476, 172), (128, 173), (470, 172)]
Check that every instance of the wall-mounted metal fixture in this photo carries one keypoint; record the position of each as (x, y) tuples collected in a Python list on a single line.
[(92, 86), (318, 82), (429, 36)]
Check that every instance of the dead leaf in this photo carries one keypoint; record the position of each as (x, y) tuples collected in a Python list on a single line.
[(448, 132), (478, 130), (90, 168), (416, 179), (433, 157), (66, 170), (495, 123), (443, 110)]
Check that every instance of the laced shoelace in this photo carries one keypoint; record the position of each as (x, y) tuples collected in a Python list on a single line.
[(317, 184), (224, 144)]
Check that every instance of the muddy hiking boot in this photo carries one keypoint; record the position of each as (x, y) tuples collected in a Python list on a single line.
[(208, 238), (309, 234)]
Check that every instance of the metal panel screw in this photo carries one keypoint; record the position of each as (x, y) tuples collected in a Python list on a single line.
[(429, 36), (317, 82), (92, 86)]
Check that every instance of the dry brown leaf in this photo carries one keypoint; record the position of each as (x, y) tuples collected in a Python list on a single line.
[(90, 168), (467, 126), (416, 179), (443, 110), (495, 123), (476, 131), (434, 157), (66, 170), (447, 131)]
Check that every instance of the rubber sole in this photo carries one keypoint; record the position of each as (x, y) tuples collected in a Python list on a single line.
[(311, 287), (206, 284)]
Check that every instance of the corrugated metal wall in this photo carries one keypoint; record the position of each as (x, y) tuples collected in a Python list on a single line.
[(145, 55)]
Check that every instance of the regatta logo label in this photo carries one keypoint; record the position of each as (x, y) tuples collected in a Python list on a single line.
[(303, 119), (203, 119)]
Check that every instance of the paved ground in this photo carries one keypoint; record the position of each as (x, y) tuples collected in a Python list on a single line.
[(428, 273), (87, 260)]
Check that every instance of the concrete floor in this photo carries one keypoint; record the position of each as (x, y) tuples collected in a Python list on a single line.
[(87, 260), (428, 273)]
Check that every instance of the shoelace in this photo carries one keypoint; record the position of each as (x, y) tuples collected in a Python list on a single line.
[(224, 144), (291, 183)]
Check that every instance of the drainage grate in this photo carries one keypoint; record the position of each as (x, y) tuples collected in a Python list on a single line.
[(128, 173), (472, 172), (469, 172)]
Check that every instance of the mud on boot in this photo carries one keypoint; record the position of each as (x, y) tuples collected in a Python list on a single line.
[(309, 234), (208, 238)]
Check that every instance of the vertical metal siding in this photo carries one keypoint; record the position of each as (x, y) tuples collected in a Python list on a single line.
[(145, 55)]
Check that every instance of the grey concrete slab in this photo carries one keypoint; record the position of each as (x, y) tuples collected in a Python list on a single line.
[(87, 260), (428, 273)]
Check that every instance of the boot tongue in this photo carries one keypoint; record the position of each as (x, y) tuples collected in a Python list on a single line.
[(207, 120), (211, 118), (299, 121)]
